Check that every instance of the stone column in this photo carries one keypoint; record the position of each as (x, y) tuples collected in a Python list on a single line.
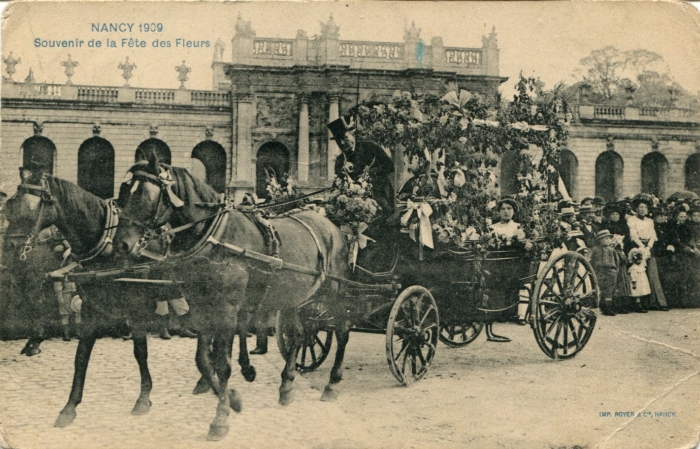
[(333, 150), (244, 172), (303, 142)]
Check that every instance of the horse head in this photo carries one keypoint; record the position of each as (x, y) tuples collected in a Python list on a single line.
[(31, 209), (155, 199)]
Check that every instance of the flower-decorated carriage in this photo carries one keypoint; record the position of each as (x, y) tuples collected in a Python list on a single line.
[(476, 276)]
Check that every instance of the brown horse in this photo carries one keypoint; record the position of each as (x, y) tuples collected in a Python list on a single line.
[(84, 219), (217, 281)]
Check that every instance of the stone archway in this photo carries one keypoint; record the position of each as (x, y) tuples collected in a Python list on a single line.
[(96, 167), (148, 146), (655, 171), (39, 151), (692, 173), (213, 159), (272, 156), (609, 168)]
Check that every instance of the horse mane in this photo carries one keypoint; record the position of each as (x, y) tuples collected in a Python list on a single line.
[(194, 189), (76, 198)]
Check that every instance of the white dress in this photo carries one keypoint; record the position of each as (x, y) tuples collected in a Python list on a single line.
[(640, 281), (641, 231), (510, 229)]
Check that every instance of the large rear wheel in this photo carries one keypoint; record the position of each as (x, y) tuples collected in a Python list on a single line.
[(562, 305), (412, 334)]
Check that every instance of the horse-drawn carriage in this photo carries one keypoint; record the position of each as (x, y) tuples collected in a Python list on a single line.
[(561, 293), (220, 259)]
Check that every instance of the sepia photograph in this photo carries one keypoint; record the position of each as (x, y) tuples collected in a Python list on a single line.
[(349, 225)]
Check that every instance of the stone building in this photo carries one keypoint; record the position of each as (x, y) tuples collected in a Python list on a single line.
[(269, 105), (268, 109)]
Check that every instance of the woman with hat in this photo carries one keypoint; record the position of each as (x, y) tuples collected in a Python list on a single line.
[(614, 222), (569, 230), (643, 236)]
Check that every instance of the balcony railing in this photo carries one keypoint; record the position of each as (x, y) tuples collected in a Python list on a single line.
[(636, 113), (609, 112), (107, 94)]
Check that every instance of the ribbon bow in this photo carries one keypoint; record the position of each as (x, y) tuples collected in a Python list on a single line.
[(357, 241), (167, 181), (424, 211)]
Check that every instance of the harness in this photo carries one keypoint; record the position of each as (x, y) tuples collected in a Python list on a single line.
[(44, 193)]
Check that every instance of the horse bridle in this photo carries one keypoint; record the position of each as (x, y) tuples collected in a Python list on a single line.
[(163, 231), (42, 191)]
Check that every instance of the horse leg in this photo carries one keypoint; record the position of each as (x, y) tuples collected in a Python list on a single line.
[(342, 335), (203, 359), (82, 358), (247, 369), (223, 344), (143, 403), (292, 327)]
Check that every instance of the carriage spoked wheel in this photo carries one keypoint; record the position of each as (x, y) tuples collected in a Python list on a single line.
[(318, 338), (562, 305), (412, 334), (457, 335)]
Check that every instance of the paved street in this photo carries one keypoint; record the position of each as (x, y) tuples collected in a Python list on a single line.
[(642, 368)]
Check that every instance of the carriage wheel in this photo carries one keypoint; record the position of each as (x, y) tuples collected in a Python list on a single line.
[(457, 335), (315, 347), (565, 293), (412, 334)]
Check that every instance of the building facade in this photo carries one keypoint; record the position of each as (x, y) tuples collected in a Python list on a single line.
[(268, 107)]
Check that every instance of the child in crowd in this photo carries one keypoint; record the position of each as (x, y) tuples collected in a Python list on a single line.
[(606, 261), (641, 290)]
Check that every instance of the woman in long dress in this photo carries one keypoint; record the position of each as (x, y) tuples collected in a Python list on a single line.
[(643, 236), (617, 226)]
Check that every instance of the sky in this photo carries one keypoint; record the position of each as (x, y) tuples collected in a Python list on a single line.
[(541, 39)]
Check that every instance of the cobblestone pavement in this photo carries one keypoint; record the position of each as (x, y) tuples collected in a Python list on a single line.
[(485, 395)]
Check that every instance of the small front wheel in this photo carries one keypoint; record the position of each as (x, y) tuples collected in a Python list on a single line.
[(457, 335), (412, 334)]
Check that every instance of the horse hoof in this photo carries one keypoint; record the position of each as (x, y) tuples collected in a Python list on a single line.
[(33, 351), (65, 418), (248, 373), (286, 397), (217, 433), (235, 401), (329, 394), (203, 386), (142, 407)]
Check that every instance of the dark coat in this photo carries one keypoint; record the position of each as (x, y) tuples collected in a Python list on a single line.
[(381, 167), (589, 237)]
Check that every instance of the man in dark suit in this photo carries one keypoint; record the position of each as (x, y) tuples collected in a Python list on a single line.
[(588, 226), (358, 155)]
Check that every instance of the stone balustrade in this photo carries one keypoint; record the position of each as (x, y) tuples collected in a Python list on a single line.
[(108, 94), (637, 113)]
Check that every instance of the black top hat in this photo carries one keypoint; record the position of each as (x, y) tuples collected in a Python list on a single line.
[(598, 201), (339, 128)]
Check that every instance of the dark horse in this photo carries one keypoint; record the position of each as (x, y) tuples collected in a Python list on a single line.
[(218, 281), (23, 273), (88, 223)]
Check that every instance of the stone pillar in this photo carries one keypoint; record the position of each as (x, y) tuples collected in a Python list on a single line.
[(333, 150), (303, 142), (437, 50), (490, 54), (243, 172)]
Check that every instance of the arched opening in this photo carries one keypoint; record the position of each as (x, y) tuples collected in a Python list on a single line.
[(213, 157), (568, 171), (655, 170), (692, 173), (608, 176), (149, 146), (510, 169), (273, 157), (38, 151), (96, 167)]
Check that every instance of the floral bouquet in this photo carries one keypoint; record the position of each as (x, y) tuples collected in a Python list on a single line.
[(349, 205), (283, 191)]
